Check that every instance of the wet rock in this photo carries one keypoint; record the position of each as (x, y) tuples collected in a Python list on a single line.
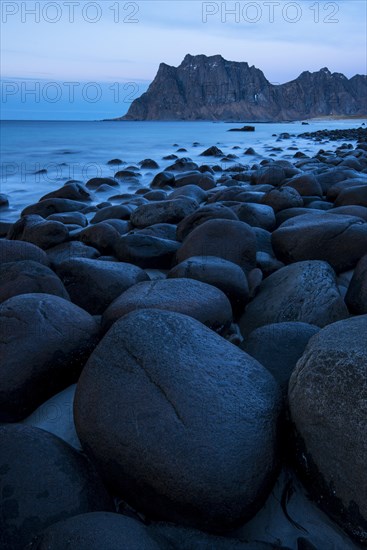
[(212, 152), (256, 215), (226, 276), (45, 341), (96, 183), (278, 347), (168, 211), (118, 212), (194, 298), (73, 249), (282, 198), (149, 164), (356, 297), (95, 531), (146, 251), (76, 218), (206, 414), (27, 276), (14, 251), (202, 215), (228, 239), (305, 292), (47, 207), (71, 191), (328, 406), (102, 236), (93, 285), (34, 229), (31, 502), (339, 240), (162, 179)]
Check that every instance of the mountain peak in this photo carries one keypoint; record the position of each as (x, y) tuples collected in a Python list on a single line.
[(212, 88)]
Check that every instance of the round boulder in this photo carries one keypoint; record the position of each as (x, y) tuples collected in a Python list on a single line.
[(44, 344), (328, 406), (168, 211), (228, 239), (146, 251), (24, 277), (14, 251), (199, 300), (94, 284), (202, 215), (180, 422), (34, 229), (305, 291), (339, 240), (225, 275), (44, 480)]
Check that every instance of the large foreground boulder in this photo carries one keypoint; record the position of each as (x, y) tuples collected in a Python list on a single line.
[(179, 421), (304, 291), (44, 343), (328, 405), (199, 300), (339, 240), (44, 480)]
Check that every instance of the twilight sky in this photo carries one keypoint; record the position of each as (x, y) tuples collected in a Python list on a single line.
[(51, 52)]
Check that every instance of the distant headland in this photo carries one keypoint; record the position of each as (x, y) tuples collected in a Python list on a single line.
[(212, 88)]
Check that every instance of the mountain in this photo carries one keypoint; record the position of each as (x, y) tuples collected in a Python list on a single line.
[(212, 88)]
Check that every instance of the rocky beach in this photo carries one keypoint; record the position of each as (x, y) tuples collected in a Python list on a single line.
[(184, 361)]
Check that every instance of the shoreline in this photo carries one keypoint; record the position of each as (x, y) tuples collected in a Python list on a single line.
[(211, 280)]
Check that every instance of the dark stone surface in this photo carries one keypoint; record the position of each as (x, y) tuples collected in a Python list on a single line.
[(356, 297), (197, 299), (14, 251), (34, 229), (202, 215), (71, 250), (225, 275), (95, 531), (328, 405), (44, 480), (27, 276), (228, 239), (279, 346), (305, 292), (44, 343), (168, 211), (179, 421), (339, 240), (146, 251), (93, 284)]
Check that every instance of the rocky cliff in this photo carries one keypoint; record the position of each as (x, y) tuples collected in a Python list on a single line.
[(211, 88)]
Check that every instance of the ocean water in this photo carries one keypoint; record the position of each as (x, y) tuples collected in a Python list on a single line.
[(81, 150)]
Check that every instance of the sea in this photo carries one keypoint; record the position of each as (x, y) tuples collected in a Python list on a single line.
[(38, 157)]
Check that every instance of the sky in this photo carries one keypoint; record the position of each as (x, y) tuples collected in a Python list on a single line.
[(75, 60)]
